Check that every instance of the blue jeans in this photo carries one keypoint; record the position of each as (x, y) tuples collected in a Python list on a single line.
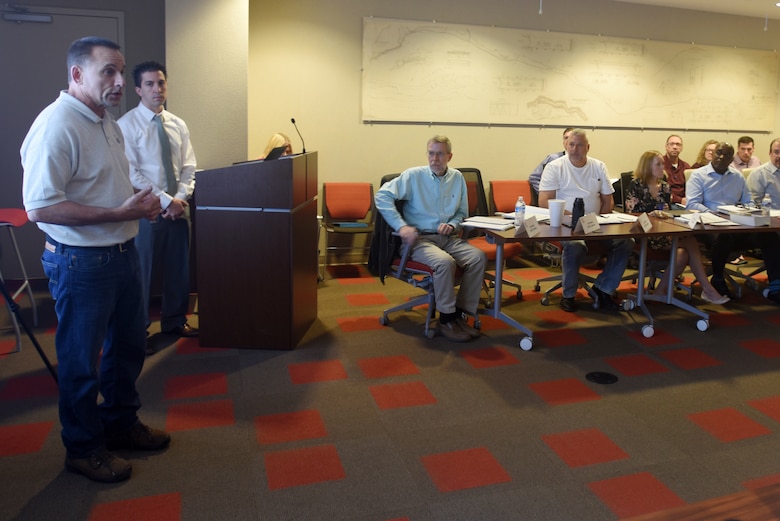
[(609, 278), (167, 242), (97, 296)]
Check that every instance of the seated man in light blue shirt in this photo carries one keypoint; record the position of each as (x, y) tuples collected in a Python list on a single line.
[(718, 184), (435, 204)]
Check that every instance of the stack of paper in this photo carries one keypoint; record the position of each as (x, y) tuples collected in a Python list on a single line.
[(692, 219), (488, 223)]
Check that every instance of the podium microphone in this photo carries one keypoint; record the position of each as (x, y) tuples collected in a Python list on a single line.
[(292, 120)]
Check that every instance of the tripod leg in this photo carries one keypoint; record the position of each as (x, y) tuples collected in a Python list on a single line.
[(15, 310)]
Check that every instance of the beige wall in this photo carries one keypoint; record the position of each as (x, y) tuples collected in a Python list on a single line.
[(206, 57), (305, 60)]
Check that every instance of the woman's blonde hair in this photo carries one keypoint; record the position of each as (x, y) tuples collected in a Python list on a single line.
[(644, 170)]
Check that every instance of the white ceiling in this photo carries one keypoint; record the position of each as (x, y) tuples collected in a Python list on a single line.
[(752, 8)]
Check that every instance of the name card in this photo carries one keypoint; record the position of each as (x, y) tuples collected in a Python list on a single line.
[(644, 223), (528, 228), (588, 224)]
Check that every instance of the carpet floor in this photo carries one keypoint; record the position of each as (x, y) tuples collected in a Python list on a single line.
[(378, 423)]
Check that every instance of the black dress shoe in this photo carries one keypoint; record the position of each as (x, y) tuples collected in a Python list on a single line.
[(774, 296), (606, 302), (720, 286), (568, 304), (185, 330)]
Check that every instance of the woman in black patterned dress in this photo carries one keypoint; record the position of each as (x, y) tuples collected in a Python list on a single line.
[(649, 193)]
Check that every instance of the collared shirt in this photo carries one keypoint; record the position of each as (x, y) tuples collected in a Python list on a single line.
[(569, 182), (536, 175), (741, 165), (429, 200), (142, 146), (72, 154), (675, 176), (765, 180), (706, 189)]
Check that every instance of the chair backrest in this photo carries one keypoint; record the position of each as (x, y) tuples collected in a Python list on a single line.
[(687, 173), (504, 193), (477, 199), (348, 201), (621, 187), (746, 172)]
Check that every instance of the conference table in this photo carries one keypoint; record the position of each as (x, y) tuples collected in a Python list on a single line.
[(623, 230)]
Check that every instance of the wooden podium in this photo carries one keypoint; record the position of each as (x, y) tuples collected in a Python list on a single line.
[(256, 253)]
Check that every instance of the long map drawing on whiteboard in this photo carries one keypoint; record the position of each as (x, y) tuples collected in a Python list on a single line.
[(450, 73)]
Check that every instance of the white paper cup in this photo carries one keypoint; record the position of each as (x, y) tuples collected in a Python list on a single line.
[(556, 207)]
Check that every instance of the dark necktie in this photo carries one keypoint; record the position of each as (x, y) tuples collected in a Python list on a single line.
[(165, 152)]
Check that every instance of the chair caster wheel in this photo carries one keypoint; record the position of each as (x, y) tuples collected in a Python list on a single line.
[(628, 304), (702, 325), (383, 320), (519, 295), (537, 288), (765, 293), (751, 284), (545, 301), (430, 333), (648, 331), (526, 344)]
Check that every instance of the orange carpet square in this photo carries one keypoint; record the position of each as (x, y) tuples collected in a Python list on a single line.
[(471, 468), (727, 319), (562, 392), (584, 447), (293, 468), (29, 387), (769, 406), (195, 386), (559, 337), (353, 324), (386, 366), (764, 481), (23, 439), (367, 299), (188, 416), (634, 495), (728, 425), (395, 396), (290, 426), (164, 507), (491, 324), (659, 338), (191, 346), (636, 365), (311, 372), (764, 347), (489, 357), (7, 347), (690, 358)]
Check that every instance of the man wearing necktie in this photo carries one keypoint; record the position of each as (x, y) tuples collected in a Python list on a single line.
[(157, 145)]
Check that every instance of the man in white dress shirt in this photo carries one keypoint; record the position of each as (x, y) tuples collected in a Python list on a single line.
[(167, 237)]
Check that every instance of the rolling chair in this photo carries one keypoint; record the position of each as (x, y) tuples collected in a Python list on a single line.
[(386, 259), (479, 206), (347, 210), (11, 218)]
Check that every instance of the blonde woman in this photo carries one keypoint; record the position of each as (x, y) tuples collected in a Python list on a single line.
[(648, 192), (705, 154), (277, 140)]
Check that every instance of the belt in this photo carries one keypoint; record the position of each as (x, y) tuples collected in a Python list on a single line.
[(56, 247), (429, 233)]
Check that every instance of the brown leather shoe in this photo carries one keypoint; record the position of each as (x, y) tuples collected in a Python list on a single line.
[(452, 331), (184, 330), (139, 437), (100, 466), (471, 331)]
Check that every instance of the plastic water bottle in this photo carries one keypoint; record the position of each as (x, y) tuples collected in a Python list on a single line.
[(766, 204), (519, 211)]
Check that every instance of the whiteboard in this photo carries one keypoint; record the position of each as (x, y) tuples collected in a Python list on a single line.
[(432, 72)]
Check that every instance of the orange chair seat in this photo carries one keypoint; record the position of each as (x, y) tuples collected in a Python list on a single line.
[(510, 249), (16, 217)]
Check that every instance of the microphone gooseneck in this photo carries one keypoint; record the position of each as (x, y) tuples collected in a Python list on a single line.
[(292, 120)]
